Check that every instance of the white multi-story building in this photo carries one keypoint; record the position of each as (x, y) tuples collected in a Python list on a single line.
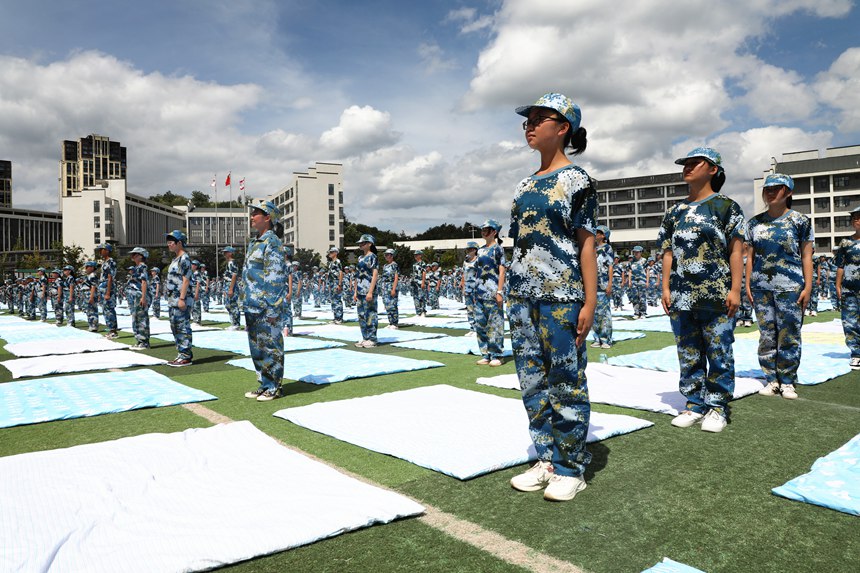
[(218, 227), (88, 161), (107, 213), (312, 208), (826, 188)]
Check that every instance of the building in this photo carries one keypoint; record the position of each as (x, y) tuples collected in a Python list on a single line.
[(312, 208), (5, 183), (89, 161), (633, 207), (107, 213), (217, 227), (23, 231), (826, 188)]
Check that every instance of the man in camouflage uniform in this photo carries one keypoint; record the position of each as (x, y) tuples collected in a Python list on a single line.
[(107, 289), (138, 305), (265, 289), (419, 283), (154, 286), (231, 292), (176, 289), (434, 283), (205, 287), (636, 284), (42, 294), (68, 294), (56, 291), (196, 309), (334, 283), (91, 300), (298, 286)]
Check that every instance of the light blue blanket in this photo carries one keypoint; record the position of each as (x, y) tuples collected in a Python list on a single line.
[(452, 345), (669, 566), (236, 341), (328, 366), (834, 481), (818, 363), (37, 332), (82, 395), (353, 333), (650, 324), (620, 335)]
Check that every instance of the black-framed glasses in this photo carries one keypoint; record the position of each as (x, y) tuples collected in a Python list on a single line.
[(537, 120)]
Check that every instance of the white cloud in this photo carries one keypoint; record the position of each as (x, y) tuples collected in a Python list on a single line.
[(839, 87), (778, 95), (434, 59), (469, 20), (361, 129)]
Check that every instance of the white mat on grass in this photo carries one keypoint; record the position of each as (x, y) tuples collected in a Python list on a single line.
[(437, 427), (336, 365), (73, 346), (176, 502), (619, 335), (452, 345), (670, 566), (157, 326), (832, 327), (353, 333), (236, 341), (632, 388), (649, 324), (44, 365), (45, 334)]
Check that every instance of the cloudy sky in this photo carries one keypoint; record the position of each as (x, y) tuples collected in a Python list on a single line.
[(416, 98)]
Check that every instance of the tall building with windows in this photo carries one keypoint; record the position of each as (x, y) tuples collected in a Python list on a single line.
[(312, 208), (89, 161), (633, 207), (217, 227), (826, 188), (5, 183)]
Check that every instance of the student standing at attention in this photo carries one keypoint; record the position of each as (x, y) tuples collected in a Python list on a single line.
[(553, 294), (848, 288), (702, 243), (779, 283)]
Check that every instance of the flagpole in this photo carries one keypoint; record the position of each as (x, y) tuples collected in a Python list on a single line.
[(217, 222)]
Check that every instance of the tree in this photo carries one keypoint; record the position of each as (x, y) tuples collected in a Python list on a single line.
[(200, 199), (170, 198), (451, 258), (430, 255), (404, 258), (34, 260), (307, 259), (72, 255)]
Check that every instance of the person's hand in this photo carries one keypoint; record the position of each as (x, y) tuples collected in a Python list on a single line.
[(500, 300), (142, 301), (666, 300), (609, 289), (369, 297), (803, 299), (393, 292), (733, 301), (181, 305), (230, 293), (584, 324)]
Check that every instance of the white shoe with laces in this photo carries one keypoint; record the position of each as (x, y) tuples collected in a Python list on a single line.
[(854, 364), (772, 389), (713, 422), (788, 391), (686, 419), (535, 478), (563, 488)]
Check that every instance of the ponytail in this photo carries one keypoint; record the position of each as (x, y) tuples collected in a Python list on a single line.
[(718, 180), (576, 140)]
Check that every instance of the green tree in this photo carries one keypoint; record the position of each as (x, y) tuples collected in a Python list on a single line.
[(170, 198), (307, 259), (34, 260), (430, 255), (200, 199), (451, 258), (72, 255), (404, 258)]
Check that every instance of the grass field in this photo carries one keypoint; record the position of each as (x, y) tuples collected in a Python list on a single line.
[(702, 499)]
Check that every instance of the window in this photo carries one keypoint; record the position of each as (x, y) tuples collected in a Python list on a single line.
[(650, 222), (331, 220), (621, 195), (842, 223), (331, 189), (801, 186), (340, 197), (678, 190), (821, 204), (626, 209), (802, 206), (822, 243), (331, 204), (650, 193), (601, 211), (331, 235), (97, 222), (97, 207), (822, 183), (822, 224), (97, 238), (652, 207)]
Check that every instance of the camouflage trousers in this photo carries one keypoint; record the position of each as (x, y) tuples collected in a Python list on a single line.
[(779, 322), (336, 304), (603, 318), (108, 310), (287, 316), (490, 328), (813, 297), (551, 370), (58, 310), (391, 305), (704, 339), (156, 307), (469, 301), (92, 311), (266, 342), (367, 319), (745, 311), (69, 310), (834, 300), (850, 324), (617, 294), (197, 311), (232, 305), (42, 307), (139, 320), (180, 326), (418, 296), (636, 294), (297, 305), (433, 299), (204, 300)]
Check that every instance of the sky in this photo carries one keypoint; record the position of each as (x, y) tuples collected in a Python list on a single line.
[(416, 99)]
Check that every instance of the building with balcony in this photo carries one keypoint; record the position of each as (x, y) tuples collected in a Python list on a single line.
[(89, 161), (312, 208), (23, 231), (826, 188)]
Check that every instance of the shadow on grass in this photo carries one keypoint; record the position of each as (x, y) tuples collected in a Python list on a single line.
[(599, 459), (293, 388)]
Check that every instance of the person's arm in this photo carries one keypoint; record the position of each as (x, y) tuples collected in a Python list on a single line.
[(289, 294), (394, 284), (806, 261), (109, 288), (840, 273), (372, 288), (143, 287), (750, 258), (736, 265), (340, 281), (500, 292), (666, 299), (423, 278), (609, 279), (588, 264)]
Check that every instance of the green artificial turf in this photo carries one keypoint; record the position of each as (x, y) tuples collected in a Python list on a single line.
[(702, 499)]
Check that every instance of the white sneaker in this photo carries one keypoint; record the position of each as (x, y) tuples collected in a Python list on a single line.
[(482, 362), (369, 344), (686, 419), (813, 313), (772, 389), (471, 334), (495, 362), (854, 364), (595, 344), (535, 478), (563, 488), (713, 422), (605, 345), (393, 327), (788, 391), (360, 344)]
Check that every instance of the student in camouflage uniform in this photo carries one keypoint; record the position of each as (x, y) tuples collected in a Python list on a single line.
[(636, 284), (349, 289), (154, 285), (745, 310), (388, 283), (107, 289), (365, 292), (334, 283), (204, 288), (468, 284), (419, 283), (832, 270), (231, 292), (701, 239), (490, 266), (138, 305), (177, 288), (617, 289), (317, 285), (265, 288), (812, 308), (68, 297), (91, 299), (779, 282), (434, 282), (196, 308), (288, 294), (57, 296), (603, 311), (847, 288), (298, 289), (553, 294), (42, 294)]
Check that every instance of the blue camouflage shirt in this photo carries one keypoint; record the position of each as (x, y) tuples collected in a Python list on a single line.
[(135, 282), (848, 259), (605, 258), (389, 272), (637, 273), (418, 270), (488, 265), (698, 234), (108, 270), (777, 243), (264, 276), (333, 272), (364, 274), (180, 268), (546, 213), (470, 279)]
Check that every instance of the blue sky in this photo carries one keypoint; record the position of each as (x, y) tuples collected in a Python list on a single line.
[(416, 99)]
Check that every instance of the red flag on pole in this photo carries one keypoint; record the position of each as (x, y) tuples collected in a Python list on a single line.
[(213, 183), (227, 182), (242, 184)]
